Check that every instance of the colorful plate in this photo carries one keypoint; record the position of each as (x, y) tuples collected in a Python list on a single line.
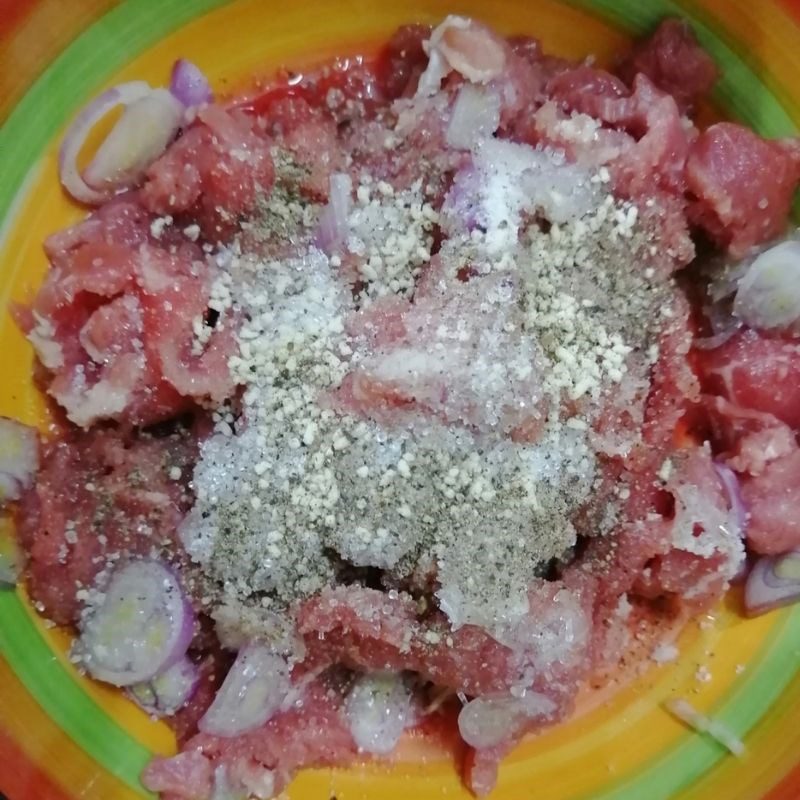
[(64, 737)]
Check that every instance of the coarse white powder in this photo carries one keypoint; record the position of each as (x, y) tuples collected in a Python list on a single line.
[(299, 490)]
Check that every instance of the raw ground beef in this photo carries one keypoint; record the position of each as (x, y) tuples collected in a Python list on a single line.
[(132, 329)]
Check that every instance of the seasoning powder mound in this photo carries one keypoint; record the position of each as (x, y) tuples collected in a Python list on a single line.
[(295, 492)]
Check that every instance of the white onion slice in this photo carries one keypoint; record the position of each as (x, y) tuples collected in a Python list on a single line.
[(476, 116), (768, 296), (773, 582), (19, 458), (189, 85), (331, 232), (79, 130), (685, 712), (253, 690), (140, 136), (734, 492), (169, 690), (143, 625), (378, 710), (492, 719)]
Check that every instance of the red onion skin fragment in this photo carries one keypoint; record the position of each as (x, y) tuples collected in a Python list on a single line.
[(733, 489), (189, 84)]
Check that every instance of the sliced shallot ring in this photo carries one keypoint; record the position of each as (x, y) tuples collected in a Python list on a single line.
[(124, 93), (19, 458), (168, 691), (143, 625), (772, 584), (140, 136), (490, 720), (253, 691), (378, 709), (768, 296)]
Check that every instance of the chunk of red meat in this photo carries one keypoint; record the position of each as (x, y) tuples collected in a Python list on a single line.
[(672, 533), (186, 775), (170, 316), (747, 440), (101, 327), (618, 560), (698, 581), (641, 137), (424, 360), (110, 329), (756, 373), (521, 89), (706, 549), (663, 140), (97, 494), (381, 322), (674, 386), (214, 172), (92, 268), (86, 327), (526, 47), (579, 135), (314, 147), (648, 114), (120, 221), (588, 90), (773, 500), (311, 733), (367, 629), (402, 60), (742, 185), (674, 61)]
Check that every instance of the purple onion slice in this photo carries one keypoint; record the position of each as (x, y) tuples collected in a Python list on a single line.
[(19, 458), (143, 625), (140, 136), (773, 582), (169, 691), (253, 690), (734, 492), (189, 85), (331, 232), (78, 131)]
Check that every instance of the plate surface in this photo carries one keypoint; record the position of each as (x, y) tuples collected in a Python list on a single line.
[(64, 737)]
